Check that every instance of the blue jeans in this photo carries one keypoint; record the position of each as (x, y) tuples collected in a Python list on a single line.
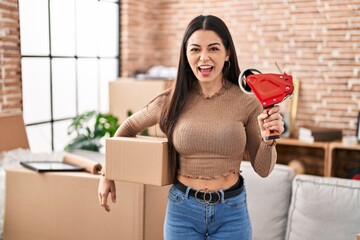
[(187, 219)]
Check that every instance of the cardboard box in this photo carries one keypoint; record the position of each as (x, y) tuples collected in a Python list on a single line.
[(13, 133), (130, 94), (358, 236), (64, 205), (138, 159), (60, 206)]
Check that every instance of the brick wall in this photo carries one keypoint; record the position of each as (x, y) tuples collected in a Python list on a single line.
[(139, 32), (10, 68), (317, 41)]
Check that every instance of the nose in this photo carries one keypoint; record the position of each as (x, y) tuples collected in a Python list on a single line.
[(204, 56)]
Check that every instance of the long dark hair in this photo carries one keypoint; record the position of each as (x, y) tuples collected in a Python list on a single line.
[(185, 78)]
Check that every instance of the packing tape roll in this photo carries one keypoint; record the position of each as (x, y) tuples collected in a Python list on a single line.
[(89, 165)]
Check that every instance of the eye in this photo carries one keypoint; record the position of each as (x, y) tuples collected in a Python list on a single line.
[(214, 49), (194, 49)]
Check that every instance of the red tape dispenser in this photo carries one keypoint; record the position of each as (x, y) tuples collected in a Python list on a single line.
[(269, 88)]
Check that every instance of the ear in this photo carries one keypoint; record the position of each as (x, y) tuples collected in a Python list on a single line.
[(227, 58)]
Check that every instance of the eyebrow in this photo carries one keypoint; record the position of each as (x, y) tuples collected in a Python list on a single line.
[(211, 44)]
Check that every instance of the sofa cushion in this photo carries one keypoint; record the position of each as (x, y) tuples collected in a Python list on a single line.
[(324, 208), (268, 200)]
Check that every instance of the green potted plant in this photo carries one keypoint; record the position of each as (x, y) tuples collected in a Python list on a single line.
[(89, 129)]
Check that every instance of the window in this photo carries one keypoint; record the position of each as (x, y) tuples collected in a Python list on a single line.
[(70, 51)]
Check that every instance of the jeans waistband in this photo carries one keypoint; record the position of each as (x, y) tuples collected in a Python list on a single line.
[(212, 197)]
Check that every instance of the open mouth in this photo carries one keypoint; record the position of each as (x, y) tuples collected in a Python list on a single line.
[(205, 69)]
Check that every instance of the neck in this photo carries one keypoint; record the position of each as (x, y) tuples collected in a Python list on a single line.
[(210, 88)]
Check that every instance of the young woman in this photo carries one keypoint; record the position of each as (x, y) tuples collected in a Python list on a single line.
[(209, 123)]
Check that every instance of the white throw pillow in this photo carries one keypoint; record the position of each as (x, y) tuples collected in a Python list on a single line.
[(324, 208)]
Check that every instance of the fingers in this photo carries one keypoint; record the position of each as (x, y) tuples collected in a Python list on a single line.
[(275, 125), (106, 187), (274, 122), (271, 119), (104, 201), (263, 116), (273, 110), (266, 118), (113, 193)]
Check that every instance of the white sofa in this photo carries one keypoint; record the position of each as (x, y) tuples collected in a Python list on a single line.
[(303, 207)]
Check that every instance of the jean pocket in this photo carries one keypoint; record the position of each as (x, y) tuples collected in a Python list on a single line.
[(175, 195), (236, 201)]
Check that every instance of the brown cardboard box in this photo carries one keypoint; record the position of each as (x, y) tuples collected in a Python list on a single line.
[(60, 206), (358, 236), (12, 130), (138, 159), (130, 94), (64, 205)]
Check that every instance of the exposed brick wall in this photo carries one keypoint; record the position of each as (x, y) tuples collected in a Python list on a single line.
[(139, 30), (317, 41), (10, 67)]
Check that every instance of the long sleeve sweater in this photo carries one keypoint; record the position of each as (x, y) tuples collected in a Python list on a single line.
[(211, 134)]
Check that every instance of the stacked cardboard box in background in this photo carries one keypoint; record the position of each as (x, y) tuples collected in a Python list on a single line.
[(128, 94), (64, 205), (13, 133), (60, 206)]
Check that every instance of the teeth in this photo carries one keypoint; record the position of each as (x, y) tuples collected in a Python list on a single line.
[(204, 67)]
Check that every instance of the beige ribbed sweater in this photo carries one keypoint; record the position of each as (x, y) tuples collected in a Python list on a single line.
[(211, 133)]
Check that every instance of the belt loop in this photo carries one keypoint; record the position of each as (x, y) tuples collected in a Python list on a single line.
[(222, 195), (187, 192)]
